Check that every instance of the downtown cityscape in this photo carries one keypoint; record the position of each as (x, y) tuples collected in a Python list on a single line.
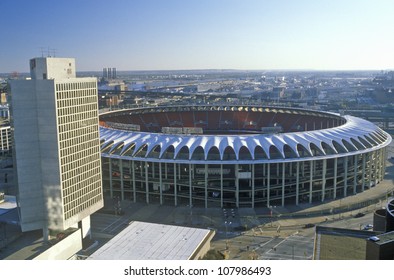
[(216, 142)]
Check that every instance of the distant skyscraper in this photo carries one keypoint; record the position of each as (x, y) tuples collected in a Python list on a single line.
[(109, 73), (57, 146)]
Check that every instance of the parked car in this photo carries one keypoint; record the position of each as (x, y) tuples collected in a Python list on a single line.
[(374, 238), (309, 226), (359, 215), (367, 227)]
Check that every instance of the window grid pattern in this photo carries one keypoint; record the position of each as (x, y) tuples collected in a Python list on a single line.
[(79, 144), (5, 138)]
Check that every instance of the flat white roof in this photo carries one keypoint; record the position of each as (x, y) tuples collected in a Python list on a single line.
[(148, 241)]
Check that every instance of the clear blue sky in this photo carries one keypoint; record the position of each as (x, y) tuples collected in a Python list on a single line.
[(200, 34)]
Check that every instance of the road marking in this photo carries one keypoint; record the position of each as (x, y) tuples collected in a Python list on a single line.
[(110, 225), (276, 245), (262, 245), (284, 256)]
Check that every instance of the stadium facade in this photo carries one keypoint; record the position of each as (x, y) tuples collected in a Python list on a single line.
[(238, 156)]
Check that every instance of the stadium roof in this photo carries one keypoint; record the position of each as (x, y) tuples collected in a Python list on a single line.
[(353, 137)]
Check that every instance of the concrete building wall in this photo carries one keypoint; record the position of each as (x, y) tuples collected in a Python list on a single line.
[(27, 155), (57, 146), (52, 68), (64, 249)]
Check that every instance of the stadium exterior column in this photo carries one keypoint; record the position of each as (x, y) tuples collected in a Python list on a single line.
[(345, 160), (236, 186), (369, 169), (310, 180), (268, 183), (298, 182), (252, 185), (355, 174), (111, 191), (283, 184), (221, 185), (175, 187), (375, 165), (190, 186), (133, 176), (363, 174), (130, 172), (379, 159), (146, 183), (323, 189), (383, 163), (206, 185), (335, 176), (121, 179), (160, 184)]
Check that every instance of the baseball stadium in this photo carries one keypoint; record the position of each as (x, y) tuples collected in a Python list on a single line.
[(238, 156)]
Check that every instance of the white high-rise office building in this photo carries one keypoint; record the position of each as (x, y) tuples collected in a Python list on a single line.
[(57, 147)]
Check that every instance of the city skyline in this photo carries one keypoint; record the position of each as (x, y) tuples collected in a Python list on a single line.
[(186, 35)]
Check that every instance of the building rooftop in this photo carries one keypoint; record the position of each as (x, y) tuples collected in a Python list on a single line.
[(143, 241)]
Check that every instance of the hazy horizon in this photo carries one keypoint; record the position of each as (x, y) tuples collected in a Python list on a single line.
[(174, 35)]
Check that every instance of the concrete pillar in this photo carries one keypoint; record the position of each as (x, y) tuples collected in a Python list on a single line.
[(252, 185), (160, 184), (369, 169), (268, 183), (190, 186), (298, 183), (283, 183), (363, 174), (45, 234), (175, 187), (206, 185), (311, 180), (121, 179), (345, 176), (323, 191), (236, 185), (383, 162), (111, 190), (146, 182), (133, 176), (355, 169), (221, 185), (335, 177)]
